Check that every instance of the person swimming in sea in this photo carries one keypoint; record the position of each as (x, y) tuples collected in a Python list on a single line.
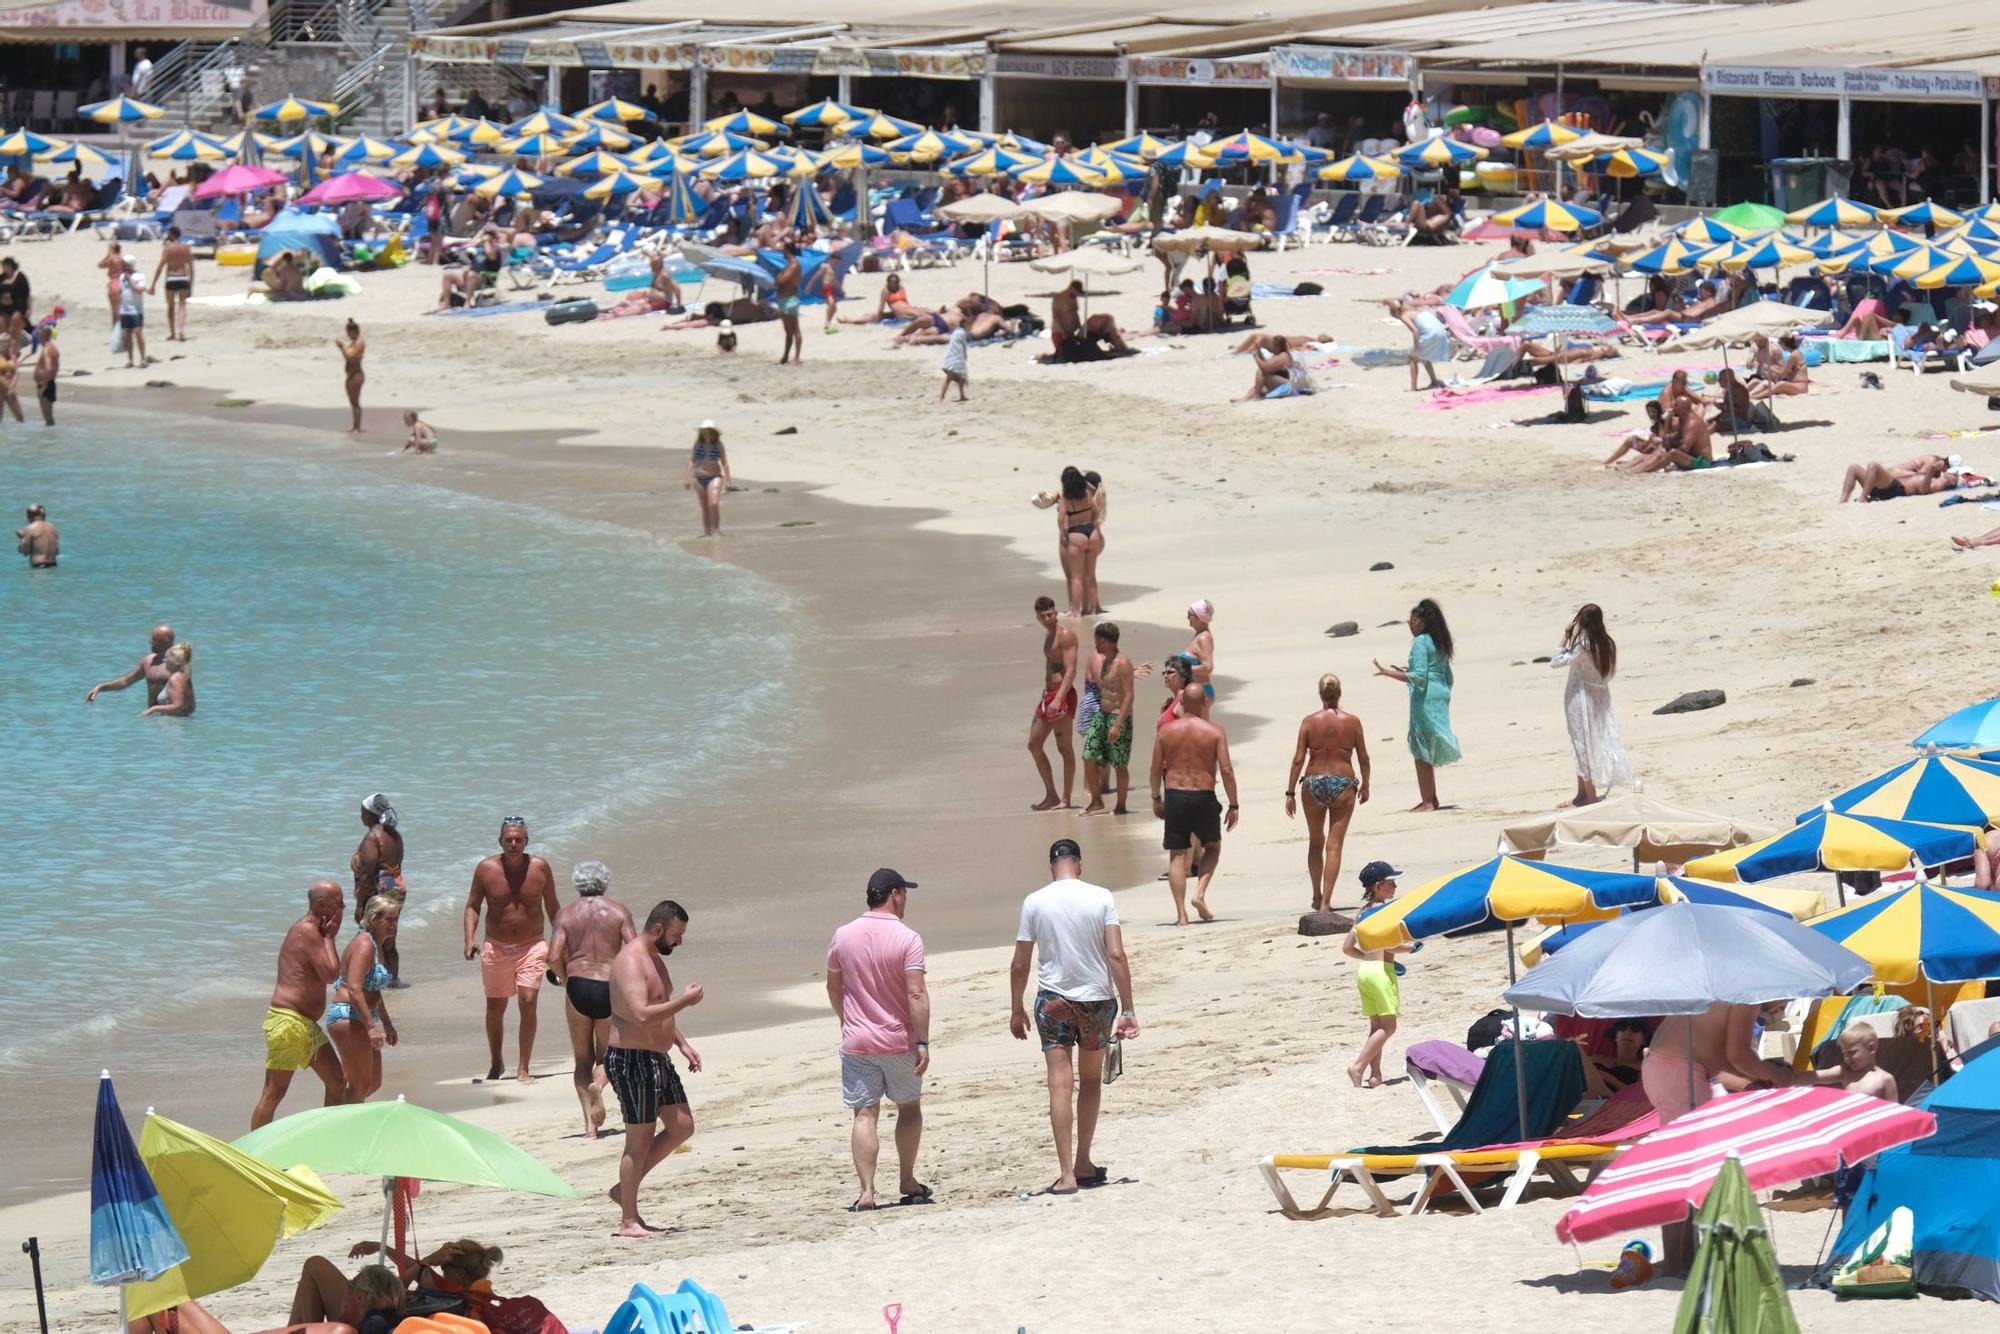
[(38, 540), (177, 695)]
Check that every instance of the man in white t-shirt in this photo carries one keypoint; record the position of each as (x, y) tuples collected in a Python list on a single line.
[(875, 981), (1073, 924), (142, 72)]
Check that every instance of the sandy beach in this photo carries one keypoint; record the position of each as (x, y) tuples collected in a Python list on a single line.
[(901, 529)]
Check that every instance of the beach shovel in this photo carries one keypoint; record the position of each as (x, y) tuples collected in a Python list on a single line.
[(893, 1313)]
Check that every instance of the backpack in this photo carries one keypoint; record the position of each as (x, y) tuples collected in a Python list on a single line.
[(1485, 1030)]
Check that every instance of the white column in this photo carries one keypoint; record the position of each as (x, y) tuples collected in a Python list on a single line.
[(1986, 152), (552, 90), (1131, 103), (1273, 125), (1843, 138), (845, 92), (697, 94), (1707, 119), (986, 97)]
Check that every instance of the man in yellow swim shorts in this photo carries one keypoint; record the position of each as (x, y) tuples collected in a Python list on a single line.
[(308, 962)]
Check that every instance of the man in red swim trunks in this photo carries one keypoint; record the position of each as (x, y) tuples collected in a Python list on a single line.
[(518, 893), (1055, 708)]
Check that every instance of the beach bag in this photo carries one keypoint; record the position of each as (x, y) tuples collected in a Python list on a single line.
[(1485, 1030), (1884, 1264), (520, 1315)]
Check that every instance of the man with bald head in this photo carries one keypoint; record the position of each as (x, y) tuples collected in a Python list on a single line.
[(1187, 752), (152, 666), (308, 962)]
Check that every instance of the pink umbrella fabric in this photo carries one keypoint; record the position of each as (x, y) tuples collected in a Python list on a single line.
[(1781, 1136), (236, 179), (350, 185)]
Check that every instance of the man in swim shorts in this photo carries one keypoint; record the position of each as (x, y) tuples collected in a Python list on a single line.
[(788, 302), (518, 893), (41, 545), (588, 935), (308, 962), (1187, 752), (651, 1100), (1056, 705), (1108, 743), (875, 983), (177, 262)]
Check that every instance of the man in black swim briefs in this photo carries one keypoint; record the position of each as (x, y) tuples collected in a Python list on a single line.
[(589, 933)]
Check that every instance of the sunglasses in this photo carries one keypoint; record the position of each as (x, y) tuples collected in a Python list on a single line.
[(514, 822)]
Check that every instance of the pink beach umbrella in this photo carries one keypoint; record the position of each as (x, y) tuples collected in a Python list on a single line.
[(351, 185), (1780, 1136), (238, 179)]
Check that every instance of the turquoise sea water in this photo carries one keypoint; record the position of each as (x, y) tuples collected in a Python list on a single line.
[(353, 632)]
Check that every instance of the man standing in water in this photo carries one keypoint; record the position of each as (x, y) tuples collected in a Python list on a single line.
[(1109, 742), (519, 895), (1074, 926), (650, 1097), (308, 963), (177, 262), (48, 364), (153, 666), (788, 304), (589, 933), (378, 869), (38, 541), (1055, 708), (1186, 754)]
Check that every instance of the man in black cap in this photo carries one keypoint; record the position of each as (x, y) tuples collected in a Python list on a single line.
[(875, 982), (1073, 924)]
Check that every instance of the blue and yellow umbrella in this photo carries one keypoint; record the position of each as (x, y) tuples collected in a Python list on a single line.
[(1922, 933), (311, 144), (1142, 146), (993, 161), (544, 122), (828, 114), (1247, 146), (428, 156), (1503, 891), (748, 166), (82, 155), (1929, 213), (1707, 231), (26, 143), (187, 146), (1965, 271), (1757, 252), (1673, 255), (681, 207), (1797, 904), (615, 109), (881, 126), (1935, 789), (748, 123), (600, 136), (855, 153), (1358, 167), (1909, 263), (806, 211), (1628, 163), (1833, 842), (1115, 166), (120, 111), (367, 148), (716, 143), (931, 145), (1058, 170), (598, 164), (508, 184), (1551, 215), (1186, 153), (543, 144), (476, 133), (621, 183), (244, 141), (289, 108), (1438, 152), (1833, 211), (1546, 134)]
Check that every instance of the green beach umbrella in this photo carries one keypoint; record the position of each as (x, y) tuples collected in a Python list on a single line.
[(1735, 1286), (1749, 217), (401, 1139)]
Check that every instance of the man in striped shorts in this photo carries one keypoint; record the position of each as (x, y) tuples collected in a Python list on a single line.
[(636, 1064)]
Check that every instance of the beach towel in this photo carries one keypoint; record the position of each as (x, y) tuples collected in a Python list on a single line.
[(505, 308), (1276, 291), (1842, 350), (1445, 400), (1618, 391)]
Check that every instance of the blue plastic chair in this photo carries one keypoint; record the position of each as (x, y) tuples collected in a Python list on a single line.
[(645, 1311), (712, 1314)]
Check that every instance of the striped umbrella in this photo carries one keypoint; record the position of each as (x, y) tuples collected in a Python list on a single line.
[(1438, 152), (131, 1236), (26, 143), (1056, 170), (1778, 1136), (1796, 904), (600, 136), (367, 148), (806, 211), (1976, 230), (187, 146), (992, 161), (1142, 146), (1707, 231), (476, 133), (881, 126), (244, 144), (1929, 213), (120, 111), (544, 122), (1757, 252), (1910, 263), (508, 184), (1966, 271), (428, 156), (930, 145), (804, 161), (1247, 146), (597, 164), (827, 114), (80, 155), (1832, 842), (1013, 139), (1986, 212), (1628, 163), (1356, 167), (854, 153), (1673, 255), (1483, 288), (1934, 789), (1503, 890), (1833, 211), (1926, 932), (289, 108), (748, 123), (620, 183), (1828, 244), (1546, 134), (1115, 166), (615, 109), (311, 144), (716, 143), (1186, 153), (747, 166), (542, 144), (1562, 319), (1550, 215), (682, 207)]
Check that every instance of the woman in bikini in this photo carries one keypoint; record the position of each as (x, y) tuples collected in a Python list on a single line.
[(1330, 747), (893, 305), (1079, 518), (113, 265), (377, 864), (355, 1019), (351, 353), (708, 476), (1789, 378), (1200, 650)]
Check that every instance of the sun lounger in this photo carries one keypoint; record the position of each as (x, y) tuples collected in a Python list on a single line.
[(1468, 338), (1336, 218), (1448, 1066)]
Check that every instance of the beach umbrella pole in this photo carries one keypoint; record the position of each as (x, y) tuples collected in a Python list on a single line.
[(388, 1209), (1520, 1040), (32, 1248)]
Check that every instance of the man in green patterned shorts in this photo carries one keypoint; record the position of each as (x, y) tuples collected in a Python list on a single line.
[(1108, 743)]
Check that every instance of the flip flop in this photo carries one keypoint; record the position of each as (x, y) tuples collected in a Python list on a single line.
[(1102, 1177), (1054, 1188), (921, 1195), (859, 1208)]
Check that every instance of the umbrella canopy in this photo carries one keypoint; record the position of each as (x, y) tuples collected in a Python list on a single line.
[(599, 136), (1974, 727), (1908, 264), (1554, 264), (351, 185), (1142, 146), (1628, 163), (82, 155), (428, 155), (547, 143), (596, 164), (1985, 381), (1593, 145), (400, 1139), (1833, 211), (747, 122), (1710, 231), (855, 153), (477, 133), (119, 111), (544, 122), (1929, 213), (1673, 255), (620, 183), (1248, 146), (992, 161), (1187, 153), (1924, 932), (1211, 239), (1057, 170), (1439, 152), (367, 148), (827, 114), (981, 208), (1504, 889), (615, 109), (748, 165), (1682, 958), (508, 183), (238, 178), (1072, 206), (1551, 215), (1545, 134), (1541, 320), (232, 1206), (1965, 271), (879, 126), (1757, 252), (131, 1236), (681, 208), (1934, 789), (1749, 216), (1797, 904), (186, 146), (1734, 1284), (289, 108), (309, 144), (806, 211), (1739, 326), (1779, 1136), (1358, 167), (750, 276), (26, 143), (1833, 842), (1116, 168), (1482, 288), (931, 145), (1087, 261)]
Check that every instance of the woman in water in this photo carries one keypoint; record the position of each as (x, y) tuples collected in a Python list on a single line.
[(1330, 746), (708, 476), (360, 1027), (378, 868), (1591, 656), (351, 353), (1079, 518), (177, 695), (1428, 676)]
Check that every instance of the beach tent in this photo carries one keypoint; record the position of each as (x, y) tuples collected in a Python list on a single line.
[(1950, 1182), (1653, 829), (318, 234)]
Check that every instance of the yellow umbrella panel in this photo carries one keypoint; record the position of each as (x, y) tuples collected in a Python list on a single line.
[(1926, 932)]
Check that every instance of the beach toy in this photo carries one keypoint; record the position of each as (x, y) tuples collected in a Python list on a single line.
[(1635, 1265), (236, 256), (893, 1313), (1995, 590)]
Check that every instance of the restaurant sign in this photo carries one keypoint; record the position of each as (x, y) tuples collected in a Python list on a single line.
[(166, 16), (1252, 72), (872, 62), (1915, 85), (1030, 66), (1340, 64)]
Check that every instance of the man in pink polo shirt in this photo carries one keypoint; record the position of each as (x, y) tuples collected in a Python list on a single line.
[(875, 980)]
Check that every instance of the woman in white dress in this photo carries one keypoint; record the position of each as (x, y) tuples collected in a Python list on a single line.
[(1591, 656)]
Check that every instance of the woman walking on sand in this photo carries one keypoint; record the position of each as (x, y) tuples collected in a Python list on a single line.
[(1330, 747), (356, 1019), (351, 353), (708, 476), (1080, 517), (1375, 976), (1428, 677), (1591, 656)]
